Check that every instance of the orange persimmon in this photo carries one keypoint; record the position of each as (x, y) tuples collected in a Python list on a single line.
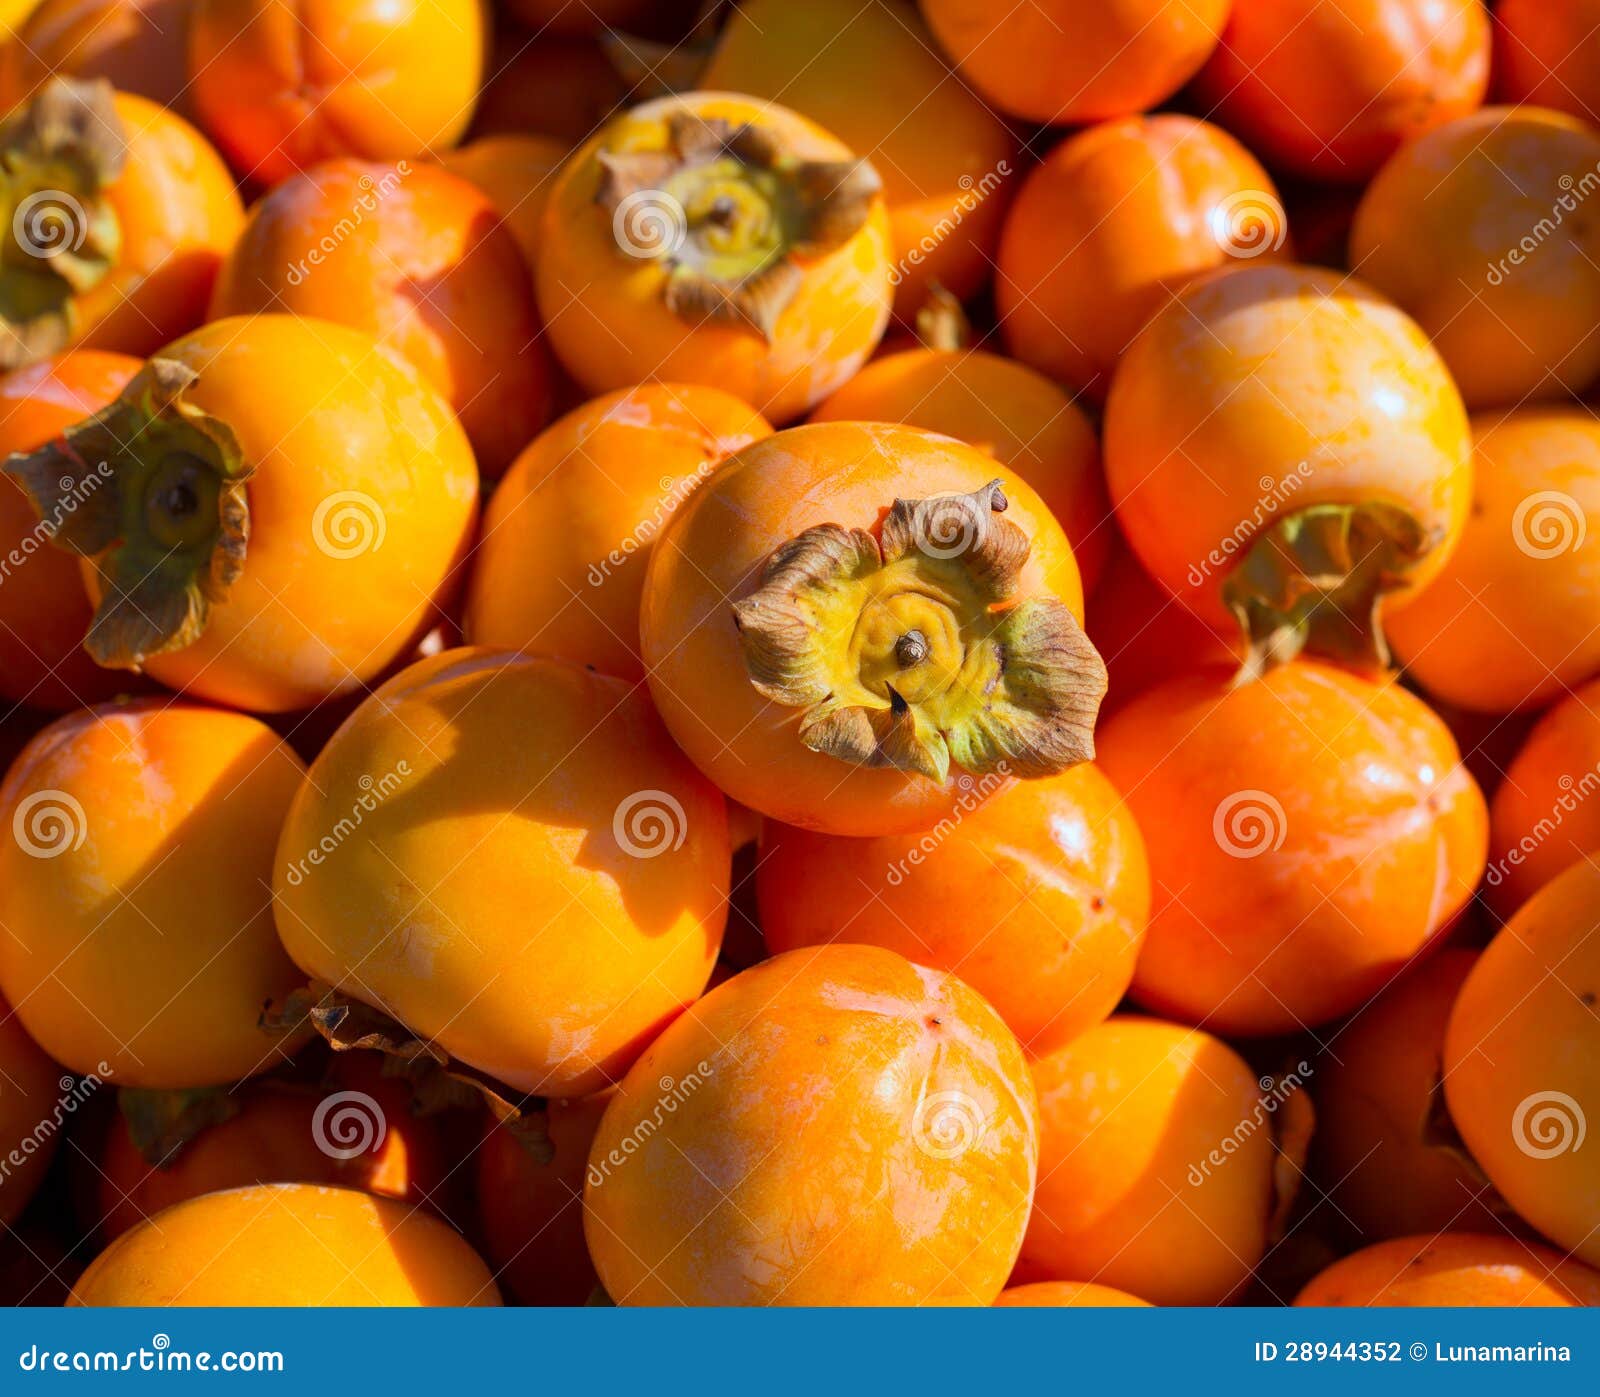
[(858, 71), (1475, 230), (43, 610), (136, 45), (1547, 54), (567, 534), (117, 217), (1523, 585), (1455, 1269), (1110, 224), (1284, 447), (874, 1115), (565, 867), (283, 84), (32, 1093), (139, 942), (1070, 62), (1073, 1294), (1155, 1164), (716, 239), (516, 172), (1022, 419), (1522, 1061), (417, 258), (1308, 835), (288, 1244), (1035, 895), (1331, 88), (285, 507), (846, 616)]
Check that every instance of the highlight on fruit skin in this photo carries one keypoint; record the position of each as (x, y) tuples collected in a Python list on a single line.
[(1070, 1294), (1455, 1269), (302, 1245), (838, 655)]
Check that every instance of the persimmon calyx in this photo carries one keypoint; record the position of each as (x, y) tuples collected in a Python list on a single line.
[(58, 153), (727, 212), (153, 490), (942, 322), (162, 1124), (1315, 580), (910, 649)]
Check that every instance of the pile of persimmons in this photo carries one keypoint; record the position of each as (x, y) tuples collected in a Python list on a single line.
[(822, 652)]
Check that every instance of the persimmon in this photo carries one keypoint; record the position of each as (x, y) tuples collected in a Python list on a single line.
[(280, 86), (1155, 1164), (1308, 835), (846, 616), (1524, 582), (1063, 61), (1547, 54), (716, 239), (1522, 1060), (43, 611), (565, 880), (1071, 1294), (531, 1210), (1542, 817), (136, 45), (1331, 88), (1110, 224), (1035, 895), (1022, 419), (857, 71), (1284, 448), (1455, 1269), (282, 508), (1374, 1089), (33, 1095), (566, 89), (140, 944), (416, 257), (290, 1244), (516, 173), (1472, 229), (875, 1115), (569, 530), (118, 215)]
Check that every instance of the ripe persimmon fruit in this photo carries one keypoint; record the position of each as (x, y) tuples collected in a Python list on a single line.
[(1547, 54), (1455, 1269), (1070, 1294), (281, 511), (31, 1092), (516, 172), (135, 45), (716, 239), (839, 1098), (845, 617)]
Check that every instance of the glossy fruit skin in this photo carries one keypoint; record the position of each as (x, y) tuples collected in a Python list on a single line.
[(1523, 584), (603, 309), (319, 610), (1522, 1061), (32, 1094), (1036, 896), (576, 868), (136, 45), (415, 257), (1131, 1112), (140, 945), (1444, 231), (1373, 1099), (708, 556), (517, 173), (292, 1245), (568, 532), (280, 87), (1330, 88), (1541, 818), (867, 1110), (43, 611), (1455, 1269), (1308, 834), (531, 1213), (1022, 419), (1071, 63), (1547, 54), (1266, 389), (947, 174), (1069, 1294), (1110, 224)]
